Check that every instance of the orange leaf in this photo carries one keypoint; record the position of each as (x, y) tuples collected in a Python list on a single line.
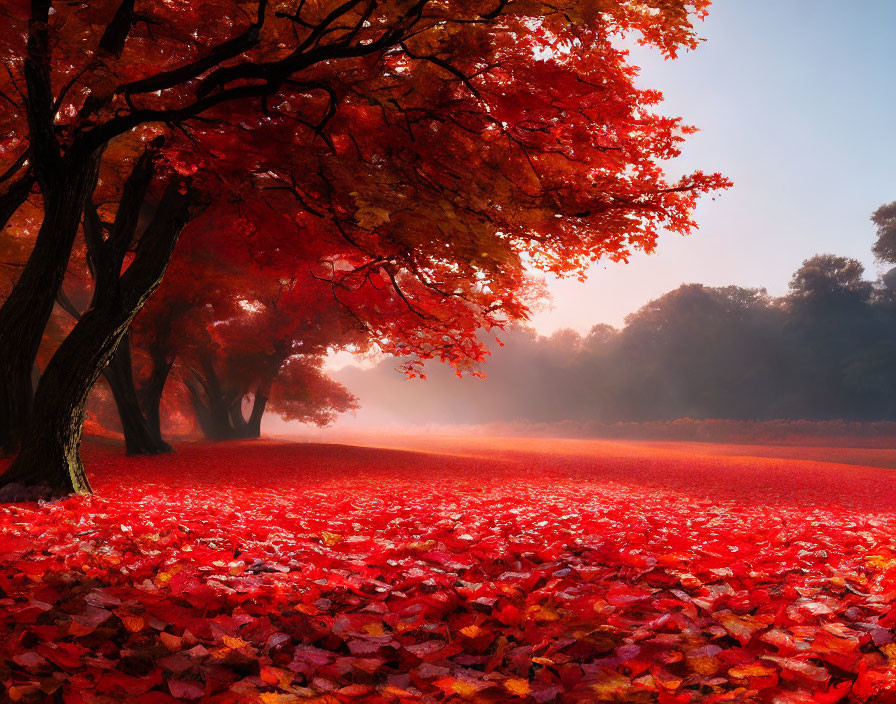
[(517, 686), (134, 624)]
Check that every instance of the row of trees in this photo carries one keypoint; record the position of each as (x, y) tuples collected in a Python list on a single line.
[(234, 340), (823, 351), (407, 155)]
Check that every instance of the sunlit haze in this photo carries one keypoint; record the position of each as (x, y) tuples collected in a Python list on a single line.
[(793, 104)]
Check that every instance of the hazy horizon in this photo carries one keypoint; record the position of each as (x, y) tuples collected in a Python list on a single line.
[(781, 93)]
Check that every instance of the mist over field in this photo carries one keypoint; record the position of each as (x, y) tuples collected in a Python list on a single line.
[(820, 353)]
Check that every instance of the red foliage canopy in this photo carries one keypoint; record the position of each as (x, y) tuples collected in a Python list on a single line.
[(422, 153), (234, 330)]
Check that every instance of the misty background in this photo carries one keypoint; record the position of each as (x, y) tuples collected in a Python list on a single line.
[(793, 103), (825, 350)]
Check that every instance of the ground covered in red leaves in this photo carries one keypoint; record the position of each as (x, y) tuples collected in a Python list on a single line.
[(466, 571)]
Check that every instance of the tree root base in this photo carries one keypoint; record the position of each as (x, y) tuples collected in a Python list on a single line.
[(16, 493)]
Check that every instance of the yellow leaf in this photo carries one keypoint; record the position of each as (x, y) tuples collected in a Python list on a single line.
[(369, 216), (689, 581), (465, 689), (330, 539), (879, 561), (423, 545), (753, 669), (471, 631), (741, 627), (704, 665), (665, 680), (394, 691), (279, 698), (374, 629), (517, 686), (449, 685), (543, 613), (614, 687)]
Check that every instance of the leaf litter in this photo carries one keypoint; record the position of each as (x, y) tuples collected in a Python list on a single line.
[(273, 573)]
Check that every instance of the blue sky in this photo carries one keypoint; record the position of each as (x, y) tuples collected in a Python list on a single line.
[(796, 102)]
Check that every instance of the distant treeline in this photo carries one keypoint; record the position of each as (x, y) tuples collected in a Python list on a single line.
[(826, 350)]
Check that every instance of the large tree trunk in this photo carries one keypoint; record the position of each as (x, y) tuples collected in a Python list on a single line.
[(49, 455), (220, 410), (238, 425), (66, 182), (217, 409), (26, 311), (213, 412), (67, 177), (253, 425), (138, 436), (151, 397), (203, 415)]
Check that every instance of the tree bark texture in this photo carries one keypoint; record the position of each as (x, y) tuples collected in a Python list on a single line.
[(151, 396), (139, 438), (24, 314), (49, 454)]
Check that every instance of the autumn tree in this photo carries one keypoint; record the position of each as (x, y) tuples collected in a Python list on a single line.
[(110, 239), (230, 325), (274, 326), (420, 152), (118, 294), (884, 249), (884, 219)]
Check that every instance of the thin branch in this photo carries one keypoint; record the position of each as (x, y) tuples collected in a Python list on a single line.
[(16, 165), (441, 63)]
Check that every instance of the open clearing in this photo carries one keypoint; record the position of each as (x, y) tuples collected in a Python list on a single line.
[(475, 569)]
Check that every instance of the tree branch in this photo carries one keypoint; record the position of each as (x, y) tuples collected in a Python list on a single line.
[(116, 34), (133, 195), (39, 105), (227, 50), (441, 63), (14, 197)]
